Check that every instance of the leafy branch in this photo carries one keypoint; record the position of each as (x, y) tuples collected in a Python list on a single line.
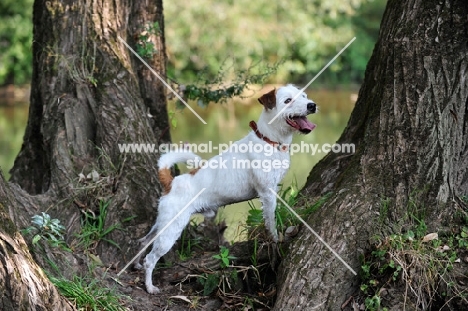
[(207, 90)]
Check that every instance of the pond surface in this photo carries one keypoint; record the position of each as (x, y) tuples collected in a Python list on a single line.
[(226, 123)]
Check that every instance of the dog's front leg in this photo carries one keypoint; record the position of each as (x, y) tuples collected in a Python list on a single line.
[(269, 205)]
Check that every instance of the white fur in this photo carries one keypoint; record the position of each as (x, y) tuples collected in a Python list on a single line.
[(226, 186)]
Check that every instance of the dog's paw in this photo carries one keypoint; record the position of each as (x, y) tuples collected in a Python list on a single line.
[(151, 289), (138, 266)]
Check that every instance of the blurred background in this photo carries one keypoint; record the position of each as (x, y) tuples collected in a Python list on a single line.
[(210, 40)]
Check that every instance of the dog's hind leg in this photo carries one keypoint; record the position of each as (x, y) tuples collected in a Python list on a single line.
[(163, 244), (143, 242)]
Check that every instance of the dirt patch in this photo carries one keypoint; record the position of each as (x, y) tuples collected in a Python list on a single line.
[(185, 284)]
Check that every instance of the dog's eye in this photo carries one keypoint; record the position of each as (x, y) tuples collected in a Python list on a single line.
[(287, 101)]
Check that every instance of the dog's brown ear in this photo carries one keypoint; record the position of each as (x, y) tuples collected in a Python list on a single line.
[(268, 100)]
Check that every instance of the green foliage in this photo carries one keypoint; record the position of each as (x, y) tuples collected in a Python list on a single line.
[(93, 229), (202, 34), (47, 229), (419, 260), (210, 282), (144, 46), (224, 257), (374, 304), (188, 244), (223, 280), (284, 217), (208, 89), (303, 34), (89, 294), (15, 41)]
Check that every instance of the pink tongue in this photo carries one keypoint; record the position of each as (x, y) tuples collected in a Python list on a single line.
[(304, 124)]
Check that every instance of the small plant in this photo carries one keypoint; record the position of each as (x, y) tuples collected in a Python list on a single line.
[(47, 229), (144, 46), (223, 280), (374, 304), (210, 282), (224, 257), (89, 294), (93, 229), (284, 217)]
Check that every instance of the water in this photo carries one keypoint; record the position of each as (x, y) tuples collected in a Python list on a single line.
[(13, 119), (225, 122)]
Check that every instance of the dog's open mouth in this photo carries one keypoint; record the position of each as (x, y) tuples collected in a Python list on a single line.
[(301, 124)]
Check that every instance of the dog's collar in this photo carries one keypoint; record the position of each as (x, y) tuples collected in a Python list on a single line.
[(279, 146)]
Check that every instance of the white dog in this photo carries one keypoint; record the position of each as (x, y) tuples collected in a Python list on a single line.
[(249, 169)]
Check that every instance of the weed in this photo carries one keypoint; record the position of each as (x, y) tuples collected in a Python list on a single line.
[(224, 279), (188, 243), (284, 217), (93, 228), (47, 229), (421, 262), (89, 294), (374, 304), (224, 257), (209, 281)]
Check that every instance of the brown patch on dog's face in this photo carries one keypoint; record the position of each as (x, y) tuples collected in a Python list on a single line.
[(165, 178), (268, 100)]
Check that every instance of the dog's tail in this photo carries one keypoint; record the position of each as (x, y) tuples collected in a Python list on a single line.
[(166, 161)]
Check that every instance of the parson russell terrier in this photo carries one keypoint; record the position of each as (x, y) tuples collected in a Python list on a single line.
[(242, 175)]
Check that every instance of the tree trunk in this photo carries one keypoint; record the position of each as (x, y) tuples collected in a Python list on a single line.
[(410, 128), (23, 284), (89, 93)]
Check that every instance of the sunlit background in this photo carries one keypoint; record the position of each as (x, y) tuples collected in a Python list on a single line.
[(208, 40)]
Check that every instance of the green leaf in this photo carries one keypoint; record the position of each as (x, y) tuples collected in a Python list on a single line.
[(36, 239)]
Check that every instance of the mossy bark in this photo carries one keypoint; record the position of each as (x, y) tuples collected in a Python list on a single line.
[(23, 284), (89, 94), (410, 128)]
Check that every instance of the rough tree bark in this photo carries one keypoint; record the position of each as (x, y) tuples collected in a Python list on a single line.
[(410, 128), (23, 284), (88, 94)]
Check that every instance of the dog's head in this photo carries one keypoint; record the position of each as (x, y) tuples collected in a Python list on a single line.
[(289, 106)]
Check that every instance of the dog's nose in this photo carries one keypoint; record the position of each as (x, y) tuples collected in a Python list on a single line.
[(311, 107)]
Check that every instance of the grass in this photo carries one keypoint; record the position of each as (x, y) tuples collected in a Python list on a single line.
[(89, 295), (284, 217), (419, 263), (188, 243), (94, 230)]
